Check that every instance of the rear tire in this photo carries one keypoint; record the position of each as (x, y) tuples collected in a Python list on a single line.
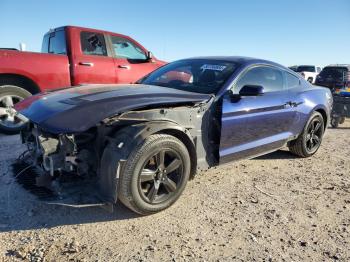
[(310, 139), (155, 174), (10, 95)]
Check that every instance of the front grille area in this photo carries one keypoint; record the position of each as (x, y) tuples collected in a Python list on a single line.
[(27, 179)]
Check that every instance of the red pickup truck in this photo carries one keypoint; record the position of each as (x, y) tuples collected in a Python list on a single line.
[(70, 56)]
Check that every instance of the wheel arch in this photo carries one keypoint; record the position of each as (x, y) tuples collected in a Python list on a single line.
[(21, 81), (324, 115), (173, 129)]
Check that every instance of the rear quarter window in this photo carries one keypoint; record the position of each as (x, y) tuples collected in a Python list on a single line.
[(55, 43), (292, 81)]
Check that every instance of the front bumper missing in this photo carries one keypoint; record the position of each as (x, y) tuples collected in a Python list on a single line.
[(66, 190)]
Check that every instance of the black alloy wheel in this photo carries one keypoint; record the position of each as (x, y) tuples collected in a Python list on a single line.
[(314, 134), (309, 141), (160, 176), (154, 174)]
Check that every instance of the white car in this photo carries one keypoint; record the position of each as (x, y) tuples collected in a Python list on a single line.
[(309, 72)]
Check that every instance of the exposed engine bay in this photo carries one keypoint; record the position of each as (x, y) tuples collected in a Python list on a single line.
[(60, 153)]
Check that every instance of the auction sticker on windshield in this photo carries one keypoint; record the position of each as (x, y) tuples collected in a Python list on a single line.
[(213, 67)]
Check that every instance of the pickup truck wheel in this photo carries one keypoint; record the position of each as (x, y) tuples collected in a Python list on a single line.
[(310, 139), (10, 123), (155, 174)]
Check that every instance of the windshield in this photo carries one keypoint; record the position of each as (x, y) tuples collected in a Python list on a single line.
[(305, 69), (204, 76)]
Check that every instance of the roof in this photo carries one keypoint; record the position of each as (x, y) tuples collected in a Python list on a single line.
[(243, 60), (84, 29), (339, 65)]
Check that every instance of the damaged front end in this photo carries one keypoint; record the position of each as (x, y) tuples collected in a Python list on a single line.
[(63, 166), (58, 153)]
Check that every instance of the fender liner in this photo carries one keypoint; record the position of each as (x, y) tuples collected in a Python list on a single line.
[(122, 143)]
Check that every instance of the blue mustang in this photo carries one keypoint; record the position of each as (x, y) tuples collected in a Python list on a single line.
[(144, 141)]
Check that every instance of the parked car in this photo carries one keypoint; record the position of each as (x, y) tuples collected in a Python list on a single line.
[(309, 72), (70, 56), (335, 77), (148, 139)]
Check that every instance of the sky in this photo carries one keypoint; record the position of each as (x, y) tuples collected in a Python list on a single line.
[(289, 32)]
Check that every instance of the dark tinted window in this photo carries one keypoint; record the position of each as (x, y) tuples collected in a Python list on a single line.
[(124, 48), (269, 78), (292, 81), (93, 44), (54, 43), (305, 69), (193, 75), (334, 72)]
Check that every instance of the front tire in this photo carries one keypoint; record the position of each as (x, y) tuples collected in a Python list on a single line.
[(9, 96), (155, 174), (310, 139)]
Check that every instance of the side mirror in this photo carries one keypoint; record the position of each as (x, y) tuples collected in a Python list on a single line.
[(251, 90), (149, 56)]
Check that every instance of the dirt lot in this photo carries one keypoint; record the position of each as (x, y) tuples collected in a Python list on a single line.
[(273, 208)]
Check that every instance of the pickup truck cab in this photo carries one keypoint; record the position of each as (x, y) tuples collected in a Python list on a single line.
[(309, 72), (70, 56)]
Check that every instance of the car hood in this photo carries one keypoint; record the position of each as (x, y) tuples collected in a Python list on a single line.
[(77, 109)]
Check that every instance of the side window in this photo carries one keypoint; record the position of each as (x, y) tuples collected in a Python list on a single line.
[(55, 43), (292, 81), (93, 44), (269, 78), (45, 44), (124, 48)]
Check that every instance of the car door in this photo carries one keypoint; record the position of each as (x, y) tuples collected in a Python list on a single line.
[(253, 125), (296, 99), (93, 64), (130, 59)]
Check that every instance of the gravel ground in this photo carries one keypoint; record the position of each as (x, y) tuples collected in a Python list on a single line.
[(272, 208)]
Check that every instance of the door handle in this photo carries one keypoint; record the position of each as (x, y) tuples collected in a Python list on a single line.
[(124, 66), (86, 63)]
